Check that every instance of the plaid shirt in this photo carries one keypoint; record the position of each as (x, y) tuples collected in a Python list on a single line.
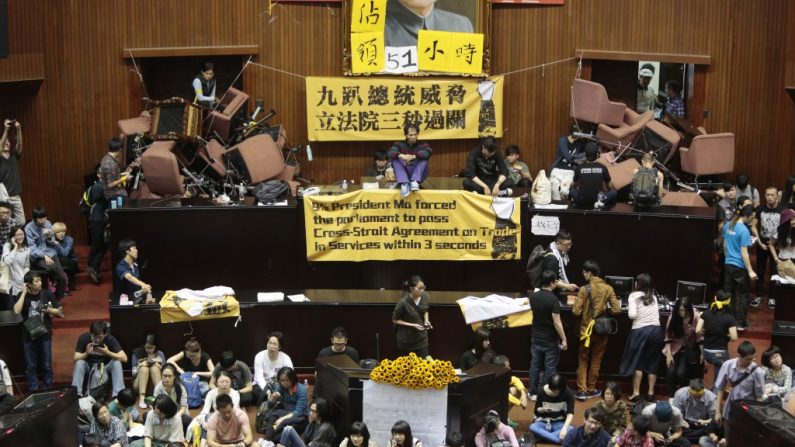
[(113, 433), (676, 107), (5, 231), (631, 439)]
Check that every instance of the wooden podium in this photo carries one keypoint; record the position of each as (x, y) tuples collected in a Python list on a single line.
[(482, 388)]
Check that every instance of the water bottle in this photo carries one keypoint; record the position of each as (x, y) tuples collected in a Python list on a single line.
[(139, 293), (306, 384), (241, 193), (549, 425), (344, 186)]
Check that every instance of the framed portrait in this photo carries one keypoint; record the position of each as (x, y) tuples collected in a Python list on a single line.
[(405, 22)]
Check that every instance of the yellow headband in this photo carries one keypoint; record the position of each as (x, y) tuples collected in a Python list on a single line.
[(695, 393), (720, 304)]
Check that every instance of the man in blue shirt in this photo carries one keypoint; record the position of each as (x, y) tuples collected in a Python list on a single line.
[(126, 278), (738, 272), (43, 255)]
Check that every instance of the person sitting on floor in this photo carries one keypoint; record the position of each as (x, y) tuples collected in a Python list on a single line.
[(410, 160), (106, 427), (172, 386), (224, 388), (487, 171), (123, 407), (554, 410), (594, 188), (778, 376), (267, 363), (494, 432), (195, 361), (591, 433), (97, 356), (162, 427), (241, 377), (319, 432), (147, 364), (665, 424), (570, 151), (339, 345), (698, 407), (229, 425), (517, 392), (287, 405), (637, 435), (517, 169), (647, 183)]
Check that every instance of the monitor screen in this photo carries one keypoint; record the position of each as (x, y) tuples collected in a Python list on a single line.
[(622, 285), (696, 291)]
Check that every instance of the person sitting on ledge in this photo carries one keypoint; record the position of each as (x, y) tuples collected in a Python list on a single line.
[(339, 345), (518, 171), (487, 171), (127, 276), (380, 168), (410, 160), (570, 150), (594, 187)]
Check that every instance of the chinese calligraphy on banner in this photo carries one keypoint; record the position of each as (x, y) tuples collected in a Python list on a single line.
[(433, 225), (377, 109), (390, 37)]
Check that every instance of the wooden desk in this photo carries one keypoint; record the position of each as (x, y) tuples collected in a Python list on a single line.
[(11, 350)]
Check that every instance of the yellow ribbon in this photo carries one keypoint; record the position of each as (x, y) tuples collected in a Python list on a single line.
[(720, 304), (587, 334), (695, 393)]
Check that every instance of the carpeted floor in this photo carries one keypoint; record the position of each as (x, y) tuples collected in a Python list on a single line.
[(90, 303)]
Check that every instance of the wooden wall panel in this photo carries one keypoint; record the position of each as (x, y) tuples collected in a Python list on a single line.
[(87, 85)]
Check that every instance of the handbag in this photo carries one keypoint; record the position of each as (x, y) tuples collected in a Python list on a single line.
[(602, 325), (5, 278), (35, 327)]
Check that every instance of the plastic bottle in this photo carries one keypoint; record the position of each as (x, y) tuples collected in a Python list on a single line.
[(241, 193), (344, 186), (306, 383), (138, 293)]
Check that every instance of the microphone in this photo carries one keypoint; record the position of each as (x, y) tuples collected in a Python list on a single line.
[(309, 152), (377, 347)]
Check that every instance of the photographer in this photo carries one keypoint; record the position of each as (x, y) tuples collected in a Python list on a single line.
[(43, 254), (9, 171), (37, 303), (98, 355)]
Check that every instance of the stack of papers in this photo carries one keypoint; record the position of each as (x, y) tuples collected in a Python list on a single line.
[(270, 297)]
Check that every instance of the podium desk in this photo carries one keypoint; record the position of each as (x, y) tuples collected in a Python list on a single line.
[(785, 302), (482, 388)]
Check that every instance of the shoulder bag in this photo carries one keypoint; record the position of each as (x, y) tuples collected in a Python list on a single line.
[(35, 327), (602, 325)]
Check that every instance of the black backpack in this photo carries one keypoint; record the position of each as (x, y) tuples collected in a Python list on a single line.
[(645, 188), (85, 204), (535, 263), (271, 191)]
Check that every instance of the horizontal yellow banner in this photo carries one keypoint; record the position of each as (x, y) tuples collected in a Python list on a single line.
[(379, 225)]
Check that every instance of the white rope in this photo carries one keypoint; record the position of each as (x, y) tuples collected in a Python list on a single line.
[(537, 66), (138, 72), (276, 69)]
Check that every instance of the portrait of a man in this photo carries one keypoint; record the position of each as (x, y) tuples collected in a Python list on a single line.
[(405, 19)]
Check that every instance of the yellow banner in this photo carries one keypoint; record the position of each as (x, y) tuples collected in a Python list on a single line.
[(368, 16), (450, 52), (378, 225), (377, 109)]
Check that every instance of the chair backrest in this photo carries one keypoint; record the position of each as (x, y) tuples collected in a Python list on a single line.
[(233, 101), (668, 134), (590, 103), (256, 159), (161, 168), (710, 154), (213, 154)]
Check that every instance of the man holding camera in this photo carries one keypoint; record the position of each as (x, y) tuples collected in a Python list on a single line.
[(9, 171), (43, 254), (97, 353)]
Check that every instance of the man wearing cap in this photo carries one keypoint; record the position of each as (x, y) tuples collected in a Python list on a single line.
[(665, 424), (646, 93), (594, 186), (697, 405)]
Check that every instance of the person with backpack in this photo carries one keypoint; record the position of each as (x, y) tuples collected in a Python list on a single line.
[(742, 377), (93, 205), (647, 184), (171, 386), (556, 258)]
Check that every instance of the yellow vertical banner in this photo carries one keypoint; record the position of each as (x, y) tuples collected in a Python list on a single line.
[(377, 109), (378, 225), (449, 52), (368, 16), (368, 52)]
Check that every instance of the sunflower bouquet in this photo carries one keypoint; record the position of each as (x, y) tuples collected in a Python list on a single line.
[(411, 371)]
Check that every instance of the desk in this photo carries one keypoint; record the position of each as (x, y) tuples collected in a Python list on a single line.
[(11, 348), (483, 388), (785, 302), (195, 244), (366, 314)]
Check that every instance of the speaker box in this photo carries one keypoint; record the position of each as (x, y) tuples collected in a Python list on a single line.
[(752, 423)]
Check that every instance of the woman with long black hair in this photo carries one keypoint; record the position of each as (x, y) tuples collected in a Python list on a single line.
[(480, 352), (642, 351), (411, 318), (682, 349)]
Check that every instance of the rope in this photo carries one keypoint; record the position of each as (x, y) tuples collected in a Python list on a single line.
[(276, 69), (209, 126), (138, 72), (542, 66)]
